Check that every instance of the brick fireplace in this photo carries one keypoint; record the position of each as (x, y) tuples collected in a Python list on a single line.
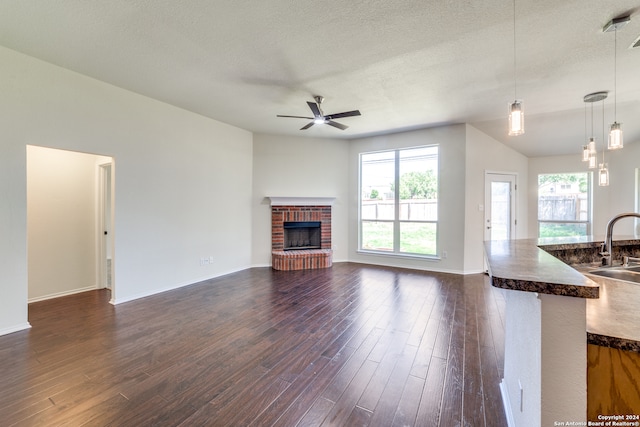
[(301, 250)]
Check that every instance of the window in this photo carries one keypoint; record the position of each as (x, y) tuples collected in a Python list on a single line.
[(399, 201), (564, 204)]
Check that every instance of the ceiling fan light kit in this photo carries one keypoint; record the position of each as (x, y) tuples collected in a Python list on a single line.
[(320, 118)]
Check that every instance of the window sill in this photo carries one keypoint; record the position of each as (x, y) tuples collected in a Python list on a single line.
[(404, 256)]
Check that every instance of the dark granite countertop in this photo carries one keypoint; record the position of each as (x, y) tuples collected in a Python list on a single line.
[(613, 307), (521, 265), (613, 320)]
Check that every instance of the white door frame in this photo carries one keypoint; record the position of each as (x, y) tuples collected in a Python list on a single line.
[(105, 229), (492, 176)]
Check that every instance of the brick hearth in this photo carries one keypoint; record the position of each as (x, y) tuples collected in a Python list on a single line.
[(307, 259)]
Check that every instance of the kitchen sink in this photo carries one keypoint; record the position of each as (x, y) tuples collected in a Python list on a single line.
[(629, 274)]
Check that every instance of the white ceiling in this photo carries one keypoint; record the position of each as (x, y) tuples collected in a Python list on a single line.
[(404, 64)]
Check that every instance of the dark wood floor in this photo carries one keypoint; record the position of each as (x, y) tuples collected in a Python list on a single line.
[(350, 345)]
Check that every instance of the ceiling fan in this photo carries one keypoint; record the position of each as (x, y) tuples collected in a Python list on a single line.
[(320, 118)]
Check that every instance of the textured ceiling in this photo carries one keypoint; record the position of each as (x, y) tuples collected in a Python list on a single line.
[(404, 64)]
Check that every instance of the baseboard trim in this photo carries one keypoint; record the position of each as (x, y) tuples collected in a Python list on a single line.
[(117, 301), (152, 292), (16, 328), (62, 294), (506, 403)]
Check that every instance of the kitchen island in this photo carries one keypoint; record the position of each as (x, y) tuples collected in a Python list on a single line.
[(554, 307)]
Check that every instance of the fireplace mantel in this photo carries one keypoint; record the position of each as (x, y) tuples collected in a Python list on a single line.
[(302, 201)]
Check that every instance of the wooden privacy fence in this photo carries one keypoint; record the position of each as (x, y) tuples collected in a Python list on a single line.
[(412, 209), (564, 207)]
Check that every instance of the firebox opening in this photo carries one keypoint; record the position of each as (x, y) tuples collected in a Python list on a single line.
[(301, 235)]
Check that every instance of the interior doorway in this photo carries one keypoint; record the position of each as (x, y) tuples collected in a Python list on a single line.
[(500, 206), (105, 226), (70, 204)]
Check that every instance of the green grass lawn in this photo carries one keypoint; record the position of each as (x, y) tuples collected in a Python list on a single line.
[(562, 230), (416, 238)]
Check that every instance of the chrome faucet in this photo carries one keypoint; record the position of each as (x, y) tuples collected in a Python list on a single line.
[(607, 246), (627, 259)]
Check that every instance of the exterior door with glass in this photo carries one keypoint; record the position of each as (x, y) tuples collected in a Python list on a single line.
[(500, 206)]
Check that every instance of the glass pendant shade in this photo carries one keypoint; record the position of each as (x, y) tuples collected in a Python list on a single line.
[(592, 161), (592, 146), (603, 175), (585, 153), (516, 118), (615, 136)]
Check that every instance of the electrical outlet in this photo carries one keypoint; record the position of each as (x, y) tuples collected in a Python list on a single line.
[(444, 254), (210, 259)]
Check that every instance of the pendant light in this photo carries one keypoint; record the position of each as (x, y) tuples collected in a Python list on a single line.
[(591, 145), (603, 172), (589, 151), (615, 131), (586, 153), (603, 180), (516, 110), (616, 140)]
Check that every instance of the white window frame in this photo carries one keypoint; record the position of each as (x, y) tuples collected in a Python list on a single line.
[(588, 221), (397, 221)]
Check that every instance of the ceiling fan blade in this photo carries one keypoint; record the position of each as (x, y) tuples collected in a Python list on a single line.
[(314, 109), (336, 124), (296, 117), (307, 126), (345, 114)]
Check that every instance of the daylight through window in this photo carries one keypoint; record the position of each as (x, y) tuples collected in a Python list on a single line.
[(399, 201), (564, 204)]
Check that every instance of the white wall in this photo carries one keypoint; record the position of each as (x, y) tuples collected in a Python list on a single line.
[(484, 154), (183, 181), (545, 354), (451, 195), (61, 222), (13, 226), (297, 166), (621, 193), (523, 358), (618, 197)]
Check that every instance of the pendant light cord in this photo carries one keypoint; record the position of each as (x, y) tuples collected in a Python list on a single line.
[(515, 76), (592, 135), (615, 75), (603, 132), (585, 121)]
